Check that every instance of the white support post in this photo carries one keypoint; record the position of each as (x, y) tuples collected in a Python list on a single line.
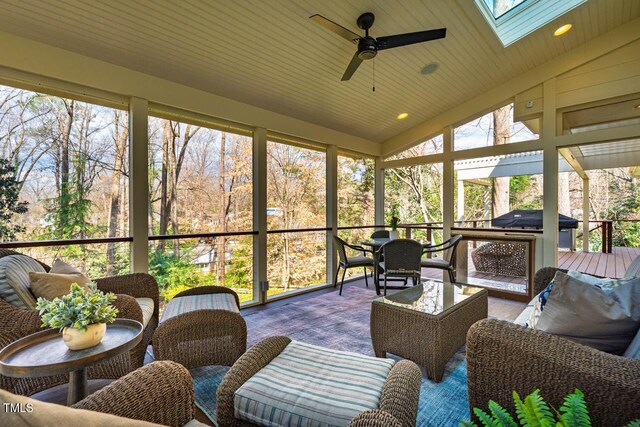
[(139, 184), (260, 277), (379, 192), (550, 173), (447, 183), (460, 217), (486, 203), (448, 180), (332, 210), (585, 214)]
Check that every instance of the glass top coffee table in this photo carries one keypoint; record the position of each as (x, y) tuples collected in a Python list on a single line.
[(428, 323)]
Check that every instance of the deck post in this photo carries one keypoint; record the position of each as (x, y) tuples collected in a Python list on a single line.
[(260, 277), (332, 209), (139, 184), (460, 217), (379, 192), (585, 214), (448, 180), (550, 173)]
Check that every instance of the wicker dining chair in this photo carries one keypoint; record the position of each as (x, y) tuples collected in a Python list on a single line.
[(448, 260), (347, 262), (380, 234), (401, 258)]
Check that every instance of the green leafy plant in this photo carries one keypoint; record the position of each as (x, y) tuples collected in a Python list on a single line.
[(394, 219), (78, 309), (533, 411)]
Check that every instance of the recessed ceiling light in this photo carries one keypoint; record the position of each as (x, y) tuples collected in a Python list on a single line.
[(637, 107), (402, 116), (561, 30), (429, 68)]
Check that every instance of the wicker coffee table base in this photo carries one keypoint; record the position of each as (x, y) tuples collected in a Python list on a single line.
[(430, 341)]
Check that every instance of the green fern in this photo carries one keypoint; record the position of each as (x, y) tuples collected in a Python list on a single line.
[(574, 410), (539, 414), (485, 419), (535, 412), (503, 417)]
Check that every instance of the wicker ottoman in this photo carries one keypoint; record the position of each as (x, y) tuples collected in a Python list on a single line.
[(201, 326), (427, 323), (284, 382)]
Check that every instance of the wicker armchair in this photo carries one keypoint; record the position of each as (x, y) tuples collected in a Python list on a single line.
[(159, 393), (398, 403), (16, 323), (503, 357), (501, 258)]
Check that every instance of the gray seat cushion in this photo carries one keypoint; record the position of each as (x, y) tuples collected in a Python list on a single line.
[(147, 306), (359, 261), (434, 263), (188, 303), (307, 385)]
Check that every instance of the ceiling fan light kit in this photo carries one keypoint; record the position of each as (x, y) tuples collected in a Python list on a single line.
[(368, 46)]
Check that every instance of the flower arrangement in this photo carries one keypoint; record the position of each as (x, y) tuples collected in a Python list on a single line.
[(79, 309), (394, 220)]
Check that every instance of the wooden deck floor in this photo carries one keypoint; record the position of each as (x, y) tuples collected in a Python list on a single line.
[(608, 265)]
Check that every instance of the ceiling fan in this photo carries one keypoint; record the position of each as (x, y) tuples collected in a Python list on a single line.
[(368, 46)]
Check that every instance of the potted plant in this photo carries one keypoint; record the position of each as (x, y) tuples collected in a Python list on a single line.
[(82, 315), (393, 222)]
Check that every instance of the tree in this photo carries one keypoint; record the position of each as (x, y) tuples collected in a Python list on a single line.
[(9, 204), (120, 136), (501, 135)]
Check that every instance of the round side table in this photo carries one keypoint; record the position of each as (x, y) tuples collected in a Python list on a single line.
[(44, 353)]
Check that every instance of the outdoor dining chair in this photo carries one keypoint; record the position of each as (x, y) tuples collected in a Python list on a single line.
[(448, 260), (347, 262), (380, 234), (401, 258)]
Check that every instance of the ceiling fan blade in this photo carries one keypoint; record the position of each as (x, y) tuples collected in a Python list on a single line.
[(398, 40), (353, 66), (338, 29)]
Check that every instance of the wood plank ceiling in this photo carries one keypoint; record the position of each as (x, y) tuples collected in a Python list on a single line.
[(269, 54)]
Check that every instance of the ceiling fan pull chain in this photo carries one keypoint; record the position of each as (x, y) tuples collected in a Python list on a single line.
[(374, 75)]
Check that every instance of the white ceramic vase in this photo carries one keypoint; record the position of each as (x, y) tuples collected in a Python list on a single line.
[(394, 234), (77, 339)]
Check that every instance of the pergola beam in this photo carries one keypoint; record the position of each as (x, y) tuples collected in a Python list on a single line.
[(573, 162)]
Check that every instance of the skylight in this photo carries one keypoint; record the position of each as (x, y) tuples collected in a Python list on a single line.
[(512, 20), (499, 7)]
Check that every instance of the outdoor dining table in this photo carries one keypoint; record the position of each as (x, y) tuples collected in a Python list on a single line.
[(375, 245)]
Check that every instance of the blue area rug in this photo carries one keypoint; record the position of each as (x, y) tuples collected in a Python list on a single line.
[(342, 323)]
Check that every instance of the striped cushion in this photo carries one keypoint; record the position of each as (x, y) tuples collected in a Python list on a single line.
[(147, 306), (14, 280), (306, 385), (199, 302)]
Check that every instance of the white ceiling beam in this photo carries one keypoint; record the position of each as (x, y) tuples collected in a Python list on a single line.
[(495, 97)]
